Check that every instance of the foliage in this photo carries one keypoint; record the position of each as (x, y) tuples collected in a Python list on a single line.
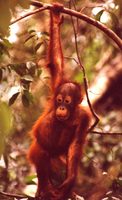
[(5, 13), (24, 82), (5, 125)]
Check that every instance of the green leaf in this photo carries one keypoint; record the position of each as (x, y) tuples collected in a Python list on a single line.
[(29, 96), (25, 101), (38, 46), (39, 72), (46, 33), (98, 15), (29, 38), (46, 77), (7, 43), (35, 57), (30, 178), (13, 98), (6, 51), (18, 68), (32, 31), (2, 58), (26, 79)]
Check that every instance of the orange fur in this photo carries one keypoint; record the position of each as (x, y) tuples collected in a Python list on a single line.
[(62, 128)]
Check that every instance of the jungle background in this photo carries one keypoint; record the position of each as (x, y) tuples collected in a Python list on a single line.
[(24, 85)]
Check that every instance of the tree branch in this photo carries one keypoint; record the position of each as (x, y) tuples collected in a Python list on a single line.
[(97, 24), (44, 6), (18, 196), (12, 195), (84, 75), (102, 133), (29, 14), (79, 15)]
